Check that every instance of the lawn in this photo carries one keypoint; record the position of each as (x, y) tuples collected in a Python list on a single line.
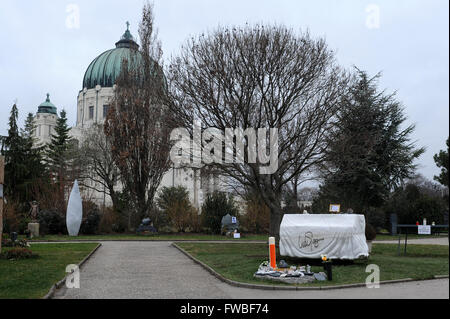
[(33, 278), (168, 237), (239, 262)]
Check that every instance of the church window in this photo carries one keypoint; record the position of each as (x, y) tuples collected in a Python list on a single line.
[(91, 112), (105, 111)]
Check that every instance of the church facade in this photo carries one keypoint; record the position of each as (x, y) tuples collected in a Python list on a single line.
[(93, 103)]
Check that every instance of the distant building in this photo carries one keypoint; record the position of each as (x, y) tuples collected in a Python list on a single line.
[(45, 122)]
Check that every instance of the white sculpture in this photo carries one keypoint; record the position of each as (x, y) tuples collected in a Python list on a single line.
[(74, 211)]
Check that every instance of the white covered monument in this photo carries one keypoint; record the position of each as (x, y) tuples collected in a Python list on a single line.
[(338, 236)]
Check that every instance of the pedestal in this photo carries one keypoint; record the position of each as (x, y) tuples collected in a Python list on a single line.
[(34, 229)]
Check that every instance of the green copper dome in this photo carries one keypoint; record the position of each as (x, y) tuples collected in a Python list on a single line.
[(105, 69), (47, 106)]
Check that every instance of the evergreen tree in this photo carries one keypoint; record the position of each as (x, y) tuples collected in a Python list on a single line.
[(370, 154), (24, 170), (60, 159), (58, 150), (441, 161), (15, 167), (36, 173)]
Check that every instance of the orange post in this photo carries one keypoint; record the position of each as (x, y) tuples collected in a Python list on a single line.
[(272, 253)]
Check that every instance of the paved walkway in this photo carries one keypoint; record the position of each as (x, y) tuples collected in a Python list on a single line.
[(144, 270), (424, 241)]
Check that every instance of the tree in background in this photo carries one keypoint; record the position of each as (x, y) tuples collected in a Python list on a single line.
[(138, 124), (215, 206), (100, 171), (413, 202), (261, 77), (37, 177), (369, 153), (15, 166), (24, 172), (24, 169), (60, 162), (441, 161)]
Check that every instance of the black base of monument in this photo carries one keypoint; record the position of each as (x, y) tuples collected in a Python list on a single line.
[(327, 266)]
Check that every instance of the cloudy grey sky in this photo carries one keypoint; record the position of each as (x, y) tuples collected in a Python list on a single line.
[(45, 48)]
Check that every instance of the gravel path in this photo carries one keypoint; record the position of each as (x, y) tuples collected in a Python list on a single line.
[(146, 270)]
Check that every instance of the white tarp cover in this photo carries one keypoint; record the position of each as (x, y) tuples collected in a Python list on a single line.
[(339, 236)]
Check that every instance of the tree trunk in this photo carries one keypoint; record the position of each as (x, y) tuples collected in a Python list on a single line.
[(276, 215)]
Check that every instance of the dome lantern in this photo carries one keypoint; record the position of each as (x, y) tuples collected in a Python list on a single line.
[(127, 40), (47, 106)]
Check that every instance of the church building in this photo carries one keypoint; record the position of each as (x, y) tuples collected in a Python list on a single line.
[(93, 102)]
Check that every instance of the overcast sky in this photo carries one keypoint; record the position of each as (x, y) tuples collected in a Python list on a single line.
[(46, 46)]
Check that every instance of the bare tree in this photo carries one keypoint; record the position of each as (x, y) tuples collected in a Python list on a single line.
[(138, 124), (100, 169), (261, 77)]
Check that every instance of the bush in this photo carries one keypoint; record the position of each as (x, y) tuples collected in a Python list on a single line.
[(175, 203), (18, 243), (217, 205), (19, 253), (51, 223), (91, 219), (411, 205), (15, 218), (111, 222), (159, 218)]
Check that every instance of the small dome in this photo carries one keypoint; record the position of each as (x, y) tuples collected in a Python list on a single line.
[(47, 106), (105, 69)]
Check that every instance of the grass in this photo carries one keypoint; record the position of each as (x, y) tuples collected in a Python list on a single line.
[(33, 278), (239, 262), (169, 237), (191, 236)]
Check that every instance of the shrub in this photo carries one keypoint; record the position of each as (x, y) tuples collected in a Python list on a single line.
[(159, 218), (19, 253), (51, 223), (175, 203), (217, 205), (111, 222), (18, 243), (91, 219), (14, 218), (411, 205)]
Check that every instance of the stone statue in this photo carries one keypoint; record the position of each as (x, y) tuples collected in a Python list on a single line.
[(34, 211)]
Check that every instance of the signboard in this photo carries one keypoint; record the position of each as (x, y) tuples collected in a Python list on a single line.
[(237, 235), (233, 220), (424, 230), (335, 208)]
